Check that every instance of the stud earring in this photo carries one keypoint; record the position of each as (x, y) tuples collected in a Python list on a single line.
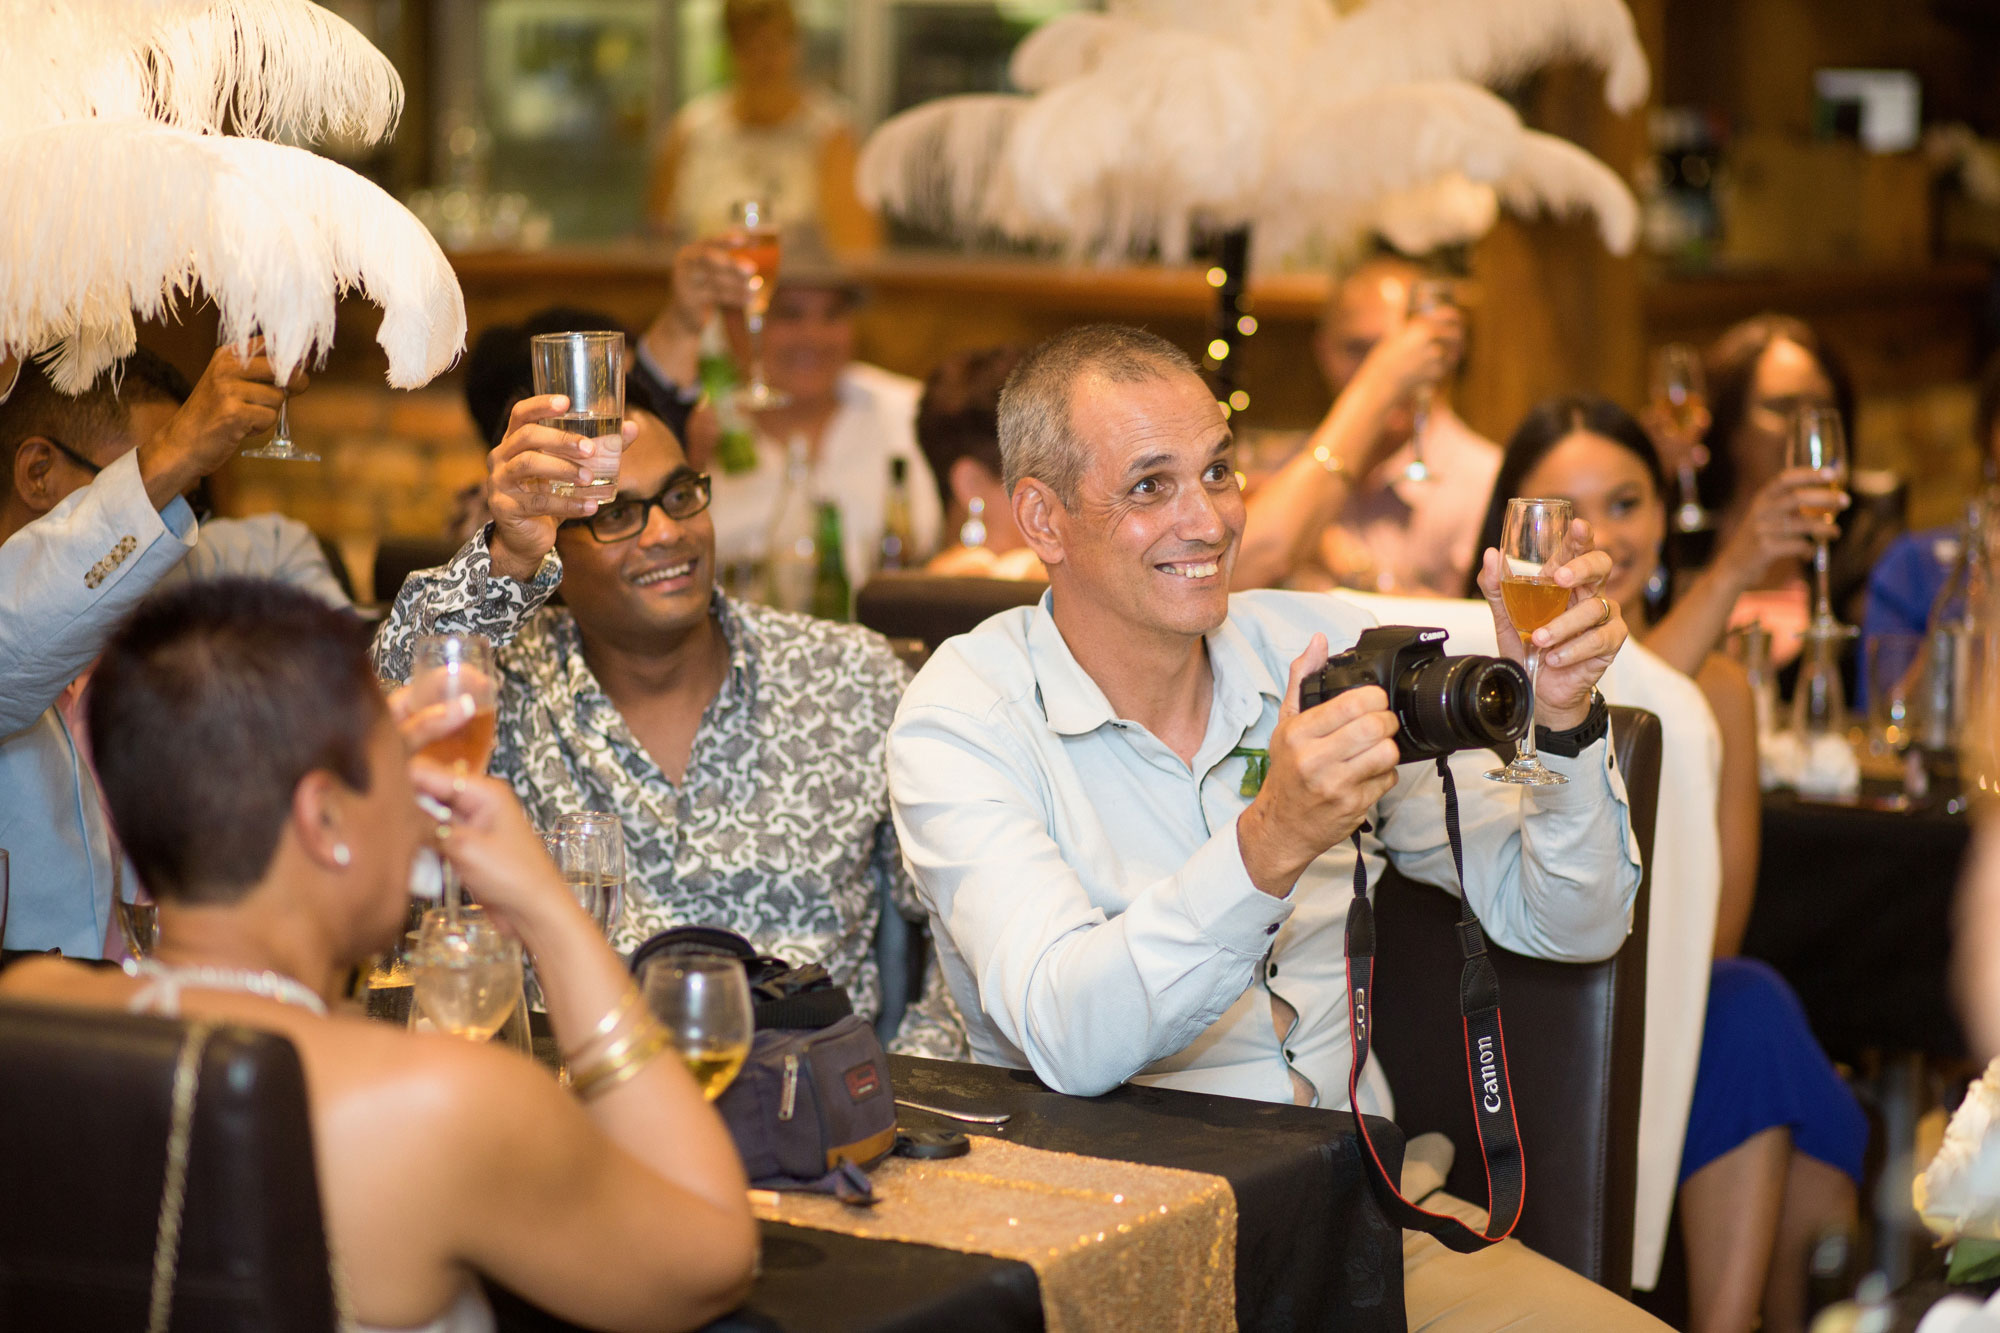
[(341, 854), (973, 531)]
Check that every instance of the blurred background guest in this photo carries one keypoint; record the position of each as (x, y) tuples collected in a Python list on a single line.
[(93, 520), (1345, 512), (849, 419), (769, 136), (1773, 1151), (958, 427)]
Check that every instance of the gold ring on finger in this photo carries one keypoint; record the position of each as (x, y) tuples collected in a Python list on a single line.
[(1605, 619)]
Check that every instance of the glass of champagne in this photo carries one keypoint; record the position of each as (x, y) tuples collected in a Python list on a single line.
[(281, 445), (589, 849), (465, 973), (703, 1001), (1680, 396), (589, 370), (138, 915), (1533, 546), (1817, 440), (445, 667), (754, 237), (1428, 296)]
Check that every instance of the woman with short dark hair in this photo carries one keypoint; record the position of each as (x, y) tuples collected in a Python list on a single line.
[(268, 800)]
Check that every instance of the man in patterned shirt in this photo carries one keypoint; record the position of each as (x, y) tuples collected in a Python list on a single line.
[(742, 747)]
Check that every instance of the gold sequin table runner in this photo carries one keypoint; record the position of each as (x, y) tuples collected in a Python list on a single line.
[(1114, 1245)]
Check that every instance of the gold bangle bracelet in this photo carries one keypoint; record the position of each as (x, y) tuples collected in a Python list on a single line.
[(610, 1072), (637, 1034), (613, 1019)]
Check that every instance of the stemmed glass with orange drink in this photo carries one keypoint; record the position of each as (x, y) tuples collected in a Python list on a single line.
[(1533, 546), (445, 668), (753, 237)]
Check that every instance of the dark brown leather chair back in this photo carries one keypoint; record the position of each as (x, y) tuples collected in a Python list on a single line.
[(396, 558), (85, 1110), (1575, 1038), (932, 607)]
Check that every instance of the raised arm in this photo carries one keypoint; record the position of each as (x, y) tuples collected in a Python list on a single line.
[(506, 570), (1286, 515), (627, 1211)]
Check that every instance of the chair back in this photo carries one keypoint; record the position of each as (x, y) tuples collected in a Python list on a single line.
[(86, 1108), (396, 558), (931, 608), (1575, 1045)]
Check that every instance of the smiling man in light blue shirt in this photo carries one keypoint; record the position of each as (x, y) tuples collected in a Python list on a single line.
[(1108, 903)]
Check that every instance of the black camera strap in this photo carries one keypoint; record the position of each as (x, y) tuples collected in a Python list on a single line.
[(1485, 1056)]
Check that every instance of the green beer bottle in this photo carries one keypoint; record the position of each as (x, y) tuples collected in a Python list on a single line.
[(832, 598)]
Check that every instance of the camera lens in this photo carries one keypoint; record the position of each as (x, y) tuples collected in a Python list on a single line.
[(1465, 703)]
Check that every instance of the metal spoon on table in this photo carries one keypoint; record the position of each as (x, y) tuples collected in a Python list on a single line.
[(968, 1117)]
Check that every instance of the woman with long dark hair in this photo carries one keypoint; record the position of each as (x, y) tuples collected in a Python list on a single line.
[(1774, 1140)]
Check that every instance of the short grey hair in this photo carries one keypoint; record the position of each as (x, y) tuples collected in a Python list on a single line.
[(1036, 437)]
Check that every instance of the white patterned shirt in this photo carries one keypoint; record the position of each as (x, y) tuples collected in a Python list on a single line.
[(779, 829)]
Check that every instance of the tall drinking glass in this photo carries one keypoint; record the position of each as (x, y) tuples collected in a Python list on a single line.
[(754, 237), (589, 849), (1533, 546), (1680, 399), (445, 667), (703, 1001), (589, 370), (1817, 440), (1428, 296)]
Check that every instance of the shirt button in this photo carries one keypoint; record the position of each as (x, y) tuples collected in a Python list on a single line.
[(1271, 929), (1289, 1055), (1274, 970)]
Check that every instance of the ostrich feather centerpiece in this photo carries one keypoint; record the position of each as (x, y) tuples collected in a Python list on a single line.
[(135, 147), (1142, 125)]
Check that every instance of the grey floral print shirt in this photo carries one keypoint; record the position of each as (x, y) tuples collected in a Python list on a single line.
[(780, 829)]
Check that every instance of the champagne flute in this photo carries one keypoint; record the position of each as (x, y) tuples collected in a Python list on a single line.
[(754, 237), (1428, 296), (1533, 546), (703, 1001), (281, 445), (465, 973), (445, 667), (1680, 395), (589, 370), (589, 849), (1817, 440)]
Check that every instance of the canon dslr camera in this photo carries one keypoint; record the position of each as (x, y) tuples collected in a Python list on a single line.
[(1442, 703)]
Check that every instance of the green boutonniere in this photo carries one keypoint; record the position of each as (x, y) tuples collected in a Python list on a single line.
[(1256, 764)]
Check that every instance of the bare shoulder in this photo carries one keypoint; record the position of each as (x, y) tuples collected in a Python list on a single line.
[(63, 981)]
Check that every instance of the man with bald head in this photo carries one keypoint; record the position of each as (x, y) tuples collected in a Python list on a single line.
[(1117, 895), (1342, 512)]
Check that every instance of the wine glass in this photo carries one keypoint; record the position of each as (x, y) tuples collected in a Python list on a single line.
[(1680, 397), (703, 1001), (445, 667), (589, 849), (281, 445), (1428, 296), (1817, 440), (1533, 546), (465, 973), (589, 370), (754, 237)]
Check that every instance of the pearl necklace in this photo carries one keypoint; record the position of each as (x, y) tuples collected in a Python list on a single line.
[(270, 985)]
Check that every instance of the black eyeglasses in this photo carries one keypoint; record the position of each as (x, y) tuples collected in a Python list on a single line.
[(684, 495), (72, 455)]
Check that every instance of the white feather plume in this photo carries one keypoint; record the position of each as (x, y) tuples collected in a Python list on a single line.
[(269, 68), (128, 216), (1283, 115), (1486, 41)]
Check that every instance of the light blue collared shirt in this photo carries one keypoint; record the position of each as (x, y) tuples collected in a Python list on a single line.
[(1089, 899), (66, 581)]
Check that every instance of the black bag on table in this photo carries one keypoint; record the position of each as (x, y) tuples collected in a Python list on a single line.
[(812, 1108)]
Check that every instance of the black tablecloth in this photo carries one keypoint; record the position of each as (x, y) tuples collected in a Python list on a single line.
[(1854, 908), (1313, 1248)]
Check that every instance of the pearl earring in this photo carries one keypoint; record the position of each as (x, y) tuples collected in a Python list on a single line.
[(973, 531), (341, 855)]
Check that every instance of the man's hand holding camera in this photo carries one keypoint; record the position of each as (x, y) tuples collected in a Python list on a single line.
[(1329, 766), (1578, 645)]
